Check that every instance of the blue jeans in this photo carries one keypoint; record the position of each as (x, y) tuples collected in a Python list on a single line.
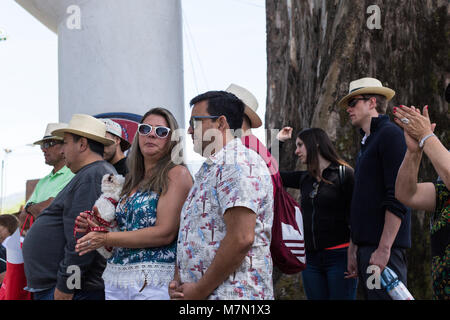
[(323, 278), (78, 295)]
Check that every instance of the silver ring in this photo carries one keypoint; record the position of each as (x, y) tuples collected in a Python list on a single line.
[(404, 120), (88, 242)]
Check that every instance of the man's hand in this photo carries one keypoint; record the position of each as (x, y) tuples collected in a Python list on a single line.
[(380, 258), (59, 295), (189, 291), (174, 290), (37, 208)]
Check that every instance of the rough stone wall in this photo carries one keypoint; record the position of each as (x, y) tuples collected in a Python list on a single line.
[(316, 47)]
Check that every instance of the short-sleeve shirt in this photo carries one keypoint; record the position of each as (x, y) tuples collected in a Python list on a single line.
[(235, 176), (50, 185)]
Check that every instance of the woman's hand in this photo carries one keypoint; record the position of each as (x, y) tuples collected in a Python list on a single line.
[(81, 222), (284, 134), (413, 122), (91, 241)]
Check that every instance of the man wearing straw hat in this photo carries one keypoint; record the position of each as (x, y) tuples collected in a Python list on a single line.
[(380, 224), (53, 269), (48, 187)]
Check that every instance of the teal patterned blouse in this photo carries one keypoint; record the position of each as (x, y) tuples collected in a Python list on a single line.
[(137, 212)]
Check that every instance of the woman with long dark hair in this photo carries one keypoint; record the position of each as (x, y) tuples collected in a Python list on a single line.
[(148, 215), (325, 196)]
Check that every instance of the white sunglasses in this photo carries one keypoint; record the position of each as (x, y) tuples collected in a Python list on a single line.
[(160, 131)]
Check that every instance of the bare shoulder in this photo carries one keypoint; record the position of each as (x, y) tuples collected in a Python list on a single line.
[(178, 172)]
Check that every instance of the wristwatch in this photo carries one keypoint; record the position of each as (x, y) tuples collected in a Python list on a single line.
[(29, 204), (421, 143)]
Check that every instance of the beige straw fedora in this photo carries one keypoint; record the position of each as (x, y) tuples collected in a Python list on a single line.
[(48, 132), (250, 102), (86, 126), (366, 86)]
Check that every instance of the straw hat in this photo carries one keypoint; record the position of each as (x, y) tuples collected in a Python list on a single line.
[(48, 132), (366, 86), (86, 126), (250, 102), (116, 129)]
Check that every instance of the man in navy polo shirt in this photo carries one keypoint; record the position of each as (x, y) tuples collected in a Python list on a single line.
[(380, 224)]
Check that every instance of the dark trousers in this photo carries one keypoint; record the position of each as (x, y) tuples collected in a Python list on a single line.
[(397, 262), (78, 295)]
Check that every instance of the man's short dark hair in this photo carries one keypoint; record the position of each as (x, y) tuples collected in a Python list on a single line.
[(95, 146), (381, 102), (222, 103)]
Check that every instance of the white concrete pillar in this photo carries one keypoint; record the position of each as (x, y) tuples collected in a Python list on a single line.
[(116, 56)]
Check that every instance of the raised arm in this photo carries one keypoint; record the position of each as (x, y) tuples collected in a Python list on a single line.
[(420, 128)]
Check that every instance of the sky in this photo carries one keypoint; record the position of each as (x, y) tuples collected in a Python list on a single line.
[(224, 41)]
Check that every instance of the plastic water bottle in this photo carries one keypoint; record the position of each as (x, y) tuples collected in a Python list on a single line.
[(393, 286)]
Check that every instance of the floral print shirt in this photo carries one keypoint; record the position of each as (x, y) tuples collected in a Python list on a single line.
[(235, 176)]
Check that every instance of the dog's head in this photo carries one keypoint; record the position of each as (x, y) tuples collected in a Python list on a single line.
[(112, 185)]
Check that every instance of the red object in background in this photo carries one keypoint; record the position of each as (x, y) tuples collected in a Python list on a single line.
[(14, 282), (288, 244), (129, 128), (128, 121)]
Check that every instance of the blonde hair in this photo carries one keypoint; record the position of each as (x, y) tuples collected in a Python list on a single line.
[(158, 180)]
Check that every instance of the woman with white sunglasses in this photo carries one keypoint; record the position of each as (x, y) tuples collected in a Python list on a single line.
[(148, 215)]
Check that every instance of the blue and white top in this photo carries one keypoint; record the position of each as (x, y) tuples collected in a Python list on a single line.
[(129, 266)]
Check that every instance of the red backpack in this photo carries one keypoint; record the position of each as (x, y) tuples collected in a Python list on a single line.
[(288, 244)]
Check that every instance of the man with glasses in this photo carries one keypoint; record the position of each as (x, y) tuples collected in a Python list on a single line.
[(380, 224), (223, 249), (48, 187)]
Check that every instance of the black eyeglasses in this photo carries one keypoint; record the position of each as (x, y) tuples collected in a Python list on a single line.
[(48, 144), (313, 193), (160, 131), (195, 119), (352, 102)]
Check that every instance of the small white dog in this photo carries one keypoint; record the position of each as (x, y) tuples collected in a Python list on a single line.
[(106, 205)]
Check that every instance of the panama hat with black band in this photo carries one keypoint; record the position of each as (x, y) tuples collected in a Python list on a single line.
[(48, 133), (86, 126), (365, 86)]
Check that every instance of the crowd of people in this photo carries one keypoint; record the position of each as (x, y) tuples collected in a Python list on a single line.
[(209, 236)]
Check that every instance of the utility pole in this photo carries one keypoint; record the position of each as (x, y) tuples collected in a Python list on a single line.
[(3, 184)]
